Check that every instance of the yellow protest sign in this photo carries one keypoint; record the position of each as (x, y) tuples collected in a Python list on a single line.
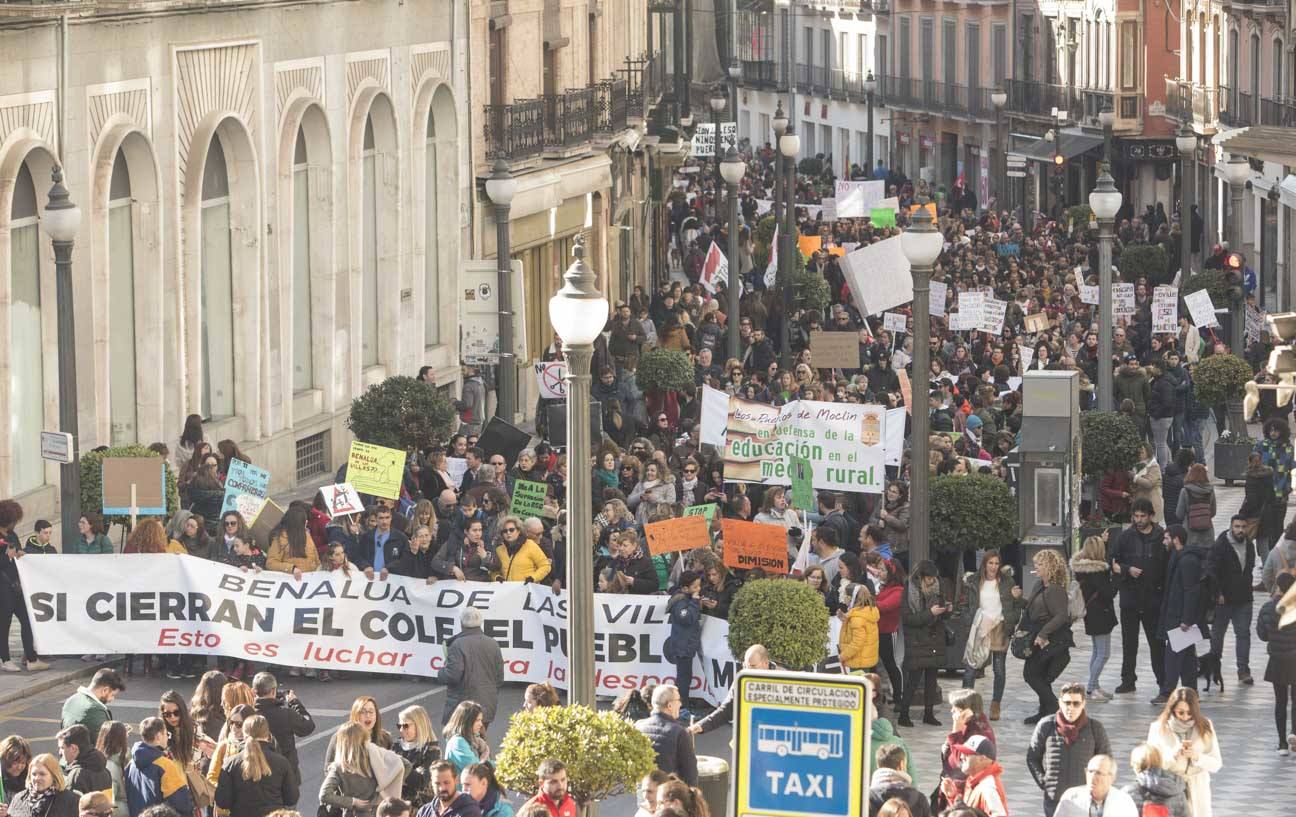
[(809, 244), (373, 469)]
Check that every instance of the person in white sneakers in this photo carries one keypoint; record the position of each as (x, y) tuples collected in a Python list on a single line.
[(1098, 795), (13, 603)]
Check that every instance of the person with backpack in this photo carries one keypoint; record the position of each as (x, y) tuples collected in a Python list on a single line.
[(1281, 671), (1232, 558), (1182, 606), (1281, 559), (1196, 507)]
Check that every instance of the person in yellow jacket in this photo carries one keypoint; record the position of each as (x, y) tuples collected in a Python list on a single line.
[(858, 642), (516, 558), (291, 549)]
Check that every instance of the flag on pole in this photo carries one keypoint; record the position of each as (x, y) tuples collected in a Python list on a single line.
[(771, 269), (715, 269)]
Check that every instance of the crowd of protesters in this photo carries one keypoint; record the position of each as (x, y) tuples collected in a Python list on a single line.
[(231, 748)]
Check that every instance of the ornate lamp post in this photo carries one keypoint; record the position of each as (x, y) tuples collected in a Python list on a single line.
[(999, 98), (732, 169), (1237, 171), (500, 189), (1105, 201), (789, 147), (870, 87), (922, 244), (780, 127), (61, 220), (578, 312)]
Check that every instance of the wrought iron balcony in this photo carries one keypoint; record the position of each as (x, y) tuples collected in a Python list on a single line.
[(612, 101), (762, 75), (1237, 108), (44, 9), (1279, 112), (569, 118), (1188, 102), (515, 131), (1040, 98)]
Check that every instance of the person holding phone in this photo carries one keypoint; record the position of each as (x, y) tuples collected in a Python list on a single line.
[(924, 611)]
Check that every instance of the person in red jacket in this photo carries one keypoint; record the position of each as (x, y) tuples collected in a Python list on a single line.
[(889, 579), (1114, 495), (553, 795)]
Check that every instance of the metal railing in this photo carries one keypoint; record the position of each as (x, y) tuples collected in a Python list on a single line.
[(761, 74), (514, 131), (1040, 98), (569, 117), (1279, 112), (1237, 108), (611, 101)]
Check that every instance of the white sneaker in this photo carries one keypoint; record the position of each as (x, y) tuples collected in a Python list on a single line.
[(11, 666), (37, 665), (1282, 751)]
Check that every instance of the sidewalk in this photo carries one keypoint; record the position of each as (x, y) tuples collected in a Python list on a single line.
[(17, 685)]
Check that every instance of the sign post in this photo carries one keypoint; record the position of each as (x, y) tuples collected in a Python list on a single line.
[(800, 744)]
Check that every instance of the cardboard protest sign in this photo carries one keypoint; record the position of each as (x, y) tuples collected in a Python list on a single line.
[(550, 379), (856, 199), (882, 217), (829, 211), (706, 509), (341, 499), (375, 470), (1201, 309), (528, 498), (704, 139), (456, 467), (1088, 294), (906, 390), (809, 244), (1165, 309), (147, 475), (749, 545), (835, 350), (244, 478), (802, 473), (1039, 322), (936, 299), (992, 315), (1123, 299), (715, 414), (878, 276), (895, 321), (930, 207), (266, 520), (684, 533)]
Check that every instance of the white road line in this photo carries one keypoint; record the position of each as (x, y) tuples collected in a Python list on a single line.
[(328, 733), (142, 704)]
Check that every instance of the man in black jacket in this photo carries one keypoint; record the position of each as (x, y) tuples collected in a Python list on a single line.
[(1182, 606), (1231, 561), (670, 740), (1139, 562), (86, 767), (286, 717), (1061, 746), (891, 780)]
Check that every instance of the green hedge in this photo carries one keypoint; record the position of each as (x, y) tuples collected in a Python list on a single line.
[(1111, 442), (1220, 378), (403, 413), (971, 511)]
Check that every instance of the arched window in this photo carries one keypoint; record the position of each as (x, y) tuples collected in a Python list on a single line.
[(26, 363), (121, 306), (369, 248), (432, 285), (303, 365), (216, 307)]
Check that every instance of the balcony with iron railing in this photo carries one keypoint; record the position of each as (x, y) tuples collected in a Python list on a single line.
[(610, 99), (1031, 98), (1238, 109), (1278, 112), (515, 131), (762, 75), (1189, 102), (565, 123)]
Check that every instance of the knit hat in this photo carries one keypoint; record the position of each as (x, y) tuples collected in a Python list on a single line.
[(973, 421)]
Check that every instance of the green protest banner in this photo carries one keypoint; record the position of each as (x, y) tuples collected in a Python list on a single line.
[(528, 498), (707, 510), (882, 217), (802, 483)]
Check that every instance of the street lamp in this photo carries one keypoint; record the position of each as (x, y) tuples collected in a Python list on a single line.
[(1107, 118), (870, 87), (719, 97), (922, 244), (1237, 171), (1186, 142), (780, 127), (578, 312), (789, 147), (500, 189), (61, 220), (999, 98), (732, 169), (1105, 201)]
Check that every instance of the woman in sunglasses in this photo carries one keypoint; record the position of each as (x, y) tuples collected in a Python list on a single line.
[(689, 487), (184, 746), (231, 527), (417, 745), (230, 742), (516, 558)]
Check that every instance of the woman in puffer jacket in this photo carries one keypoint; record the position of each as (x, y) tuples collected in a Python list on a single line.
[(1093, 573), (858, 642)]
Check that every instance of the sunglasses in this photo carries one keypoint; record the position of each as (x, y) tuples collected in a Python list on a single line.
[(510, 530), (690, 470), (406, 726), (231, 523), (238, 724), (170, 713)]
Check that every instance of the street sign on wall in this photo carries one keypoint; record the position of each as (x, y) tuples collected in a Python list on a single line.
[(56, 446), (800, 744)]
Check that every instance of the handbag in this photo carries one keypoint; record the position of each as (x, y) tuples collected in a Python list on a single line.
[(200, 788), (1022, 644), (977, 653)]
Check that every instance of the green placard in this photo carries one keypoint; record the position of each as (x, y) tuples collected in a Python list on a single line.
[(882, 217), (528, 498), (707, 510), (802, 483)]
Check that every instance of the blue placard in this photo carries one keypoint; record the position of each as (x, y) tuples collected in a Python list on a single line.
[(244, 478)]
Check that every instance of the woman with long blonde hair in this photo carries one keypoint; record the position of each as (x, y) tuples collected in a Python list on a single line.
[(46, 794), (231, 740), (1050, 625), (1094, 574), (349, 782), (418, 746), (258, 780)]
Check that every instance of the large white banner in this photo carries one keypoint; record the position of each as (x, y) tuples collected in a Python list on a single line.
[(878, 276), (168, 603)]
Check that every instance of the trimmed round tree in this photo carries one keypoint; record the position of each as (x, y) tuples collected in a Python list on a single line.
[(971, 511), (604, 754), (1222, 379), (1111, 442), (403, 413), (787, 617)]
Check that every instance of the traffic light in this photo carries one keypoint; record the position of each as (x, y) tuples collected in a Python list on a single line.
[(1058, 160), (1233, 275)]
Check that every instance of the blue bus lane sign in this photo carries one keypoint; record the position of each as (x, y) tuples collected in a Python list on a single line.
[(800, 743)]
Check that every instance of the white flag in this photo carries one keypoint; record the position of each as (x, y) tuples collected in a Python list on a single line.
[(715, 269), (771, 269)]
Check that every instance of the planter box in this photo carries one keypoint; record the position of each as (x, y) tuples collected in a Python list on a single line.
[(1231, 461)]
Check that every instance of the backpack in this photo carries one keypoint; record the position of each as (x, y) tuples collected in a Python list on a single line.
[(1154, 810), (1199, 515), (1286, 568), (1075, 601)]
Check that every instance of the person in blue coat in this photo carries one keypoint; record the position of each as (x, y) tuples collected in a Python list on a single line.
[(684, 611)]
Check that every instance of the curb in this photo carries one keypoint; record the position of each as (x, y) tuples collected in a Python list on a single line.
[(49, 681)]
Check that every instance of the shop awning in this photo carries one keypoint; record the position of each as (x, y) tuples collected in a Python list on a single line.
[(1265, 142), (1069, 143)]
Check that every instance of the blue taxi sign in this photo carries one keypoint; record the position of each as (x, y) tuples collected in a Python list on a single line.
[(800, 743)]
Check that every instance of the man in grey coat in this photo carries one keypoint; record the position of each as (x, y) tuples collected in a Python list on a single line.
[(474, 668), (1061, 746)]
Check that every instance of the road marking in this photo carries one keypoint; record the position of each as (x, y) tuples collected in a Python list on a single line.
[(32, 719), (142, 704), (318, 736)]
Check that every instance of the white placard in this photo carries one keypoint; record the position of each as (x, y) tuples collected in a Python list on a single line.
[(1201, 309), (456, 467), (763, 206), (728, 136), (1088, 294), (895, 321), (1027, 357), (715, 417), (704, 140), (1165, 309), (1122, 299), (936, 299), (342, 499), (895, 435), (857, 199), (970, 306), (829, 212), (550, 379), (992, 315), (878, 276)]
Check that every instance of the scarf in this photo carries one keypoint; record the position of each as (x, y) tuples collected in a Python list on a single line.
[(689, 484), (40, 802), (1182, 729), (1068, 730), (608, 478)]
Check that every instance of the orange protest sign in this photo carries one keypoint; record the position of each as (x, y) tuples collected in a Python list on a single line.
[(684, 533), (931, 208), (809, 244), (906, 390), (751, 544), (837, 251)]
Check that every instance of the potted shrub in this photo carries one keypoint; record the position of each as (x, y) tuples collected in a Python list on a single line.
[(1111, 442), (605, 755), (787, 617), (1221, 380), (403, 413), (92, 480), (1145, 261), (661, 374)]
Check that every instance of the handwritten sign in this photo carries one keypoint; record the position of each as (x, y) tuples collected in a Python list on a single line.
[(1122, 299), (373, 469), (550, 379), (528, 498), (749, 545), (936, 298), (834, 350), (906, 389), (704, 139), (1165, 309), (1039, 322), (992, 315), (895, 321), (244, 478), (708, 511), (684, 533), (1201, 309), (1088, 294), (341, 499), (456, 467)]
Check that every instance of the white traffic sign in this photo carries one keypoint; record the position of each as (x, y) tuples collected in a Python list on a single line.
[(56, 446)]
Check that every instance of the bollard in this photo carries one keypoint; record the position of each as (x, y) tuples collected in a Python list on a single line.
[(713, 780)]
